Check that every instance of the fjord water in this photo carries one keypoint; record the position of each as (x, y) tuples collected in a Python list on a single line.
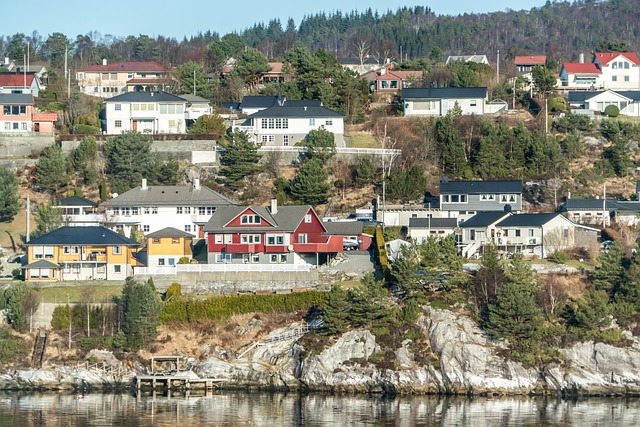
[(264, 409)]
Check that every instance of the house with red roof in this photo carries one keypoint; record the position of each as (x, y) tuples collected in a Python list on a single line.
[(580, 76), (275, 75), (524, 64), (19, 83), (619, 70), (109, 80)]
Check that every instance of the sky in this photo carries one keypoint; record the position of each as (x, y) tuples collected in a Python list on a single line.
[(190, 17)]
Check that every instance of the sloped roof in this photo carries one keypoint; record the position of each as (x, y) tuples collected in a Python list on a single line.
[(296, 111), (433, 222), (579, 96), (599, 204), (43, 263), (480, 59), (16, 99), (126, 67), (169, 232), (145, 97), (528, 220), (530, 60), (481, 187), (286, 219), (251, 101), (605, 57), (93, 235), (77, 201), (484, 219), (194, 98), (16, 80), (579, 68), (444, 93), (170, 195), (343, 228), (276, 67)]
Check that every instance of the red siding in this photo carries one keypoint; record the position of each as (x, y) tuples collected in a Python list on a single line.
[(236, 222)]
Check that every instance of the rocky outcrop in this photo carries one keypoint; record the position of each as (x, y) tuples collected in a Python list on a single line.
[(64, 378)]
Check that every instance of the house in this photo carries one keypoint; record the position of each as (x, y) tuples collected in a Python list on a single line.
[(525, 64), (251, 104), (166, 247), (275, 75), (109, 80), (421, 229), (80, 253), (400, 215), (478, 59), (18, 115), (628, 102), (620, 70), (463, 199), (292, 235), (390, 81), (27, 83), (285, 123), (79, 212), (393, 248), (352, 233), (580, 76), (601, 212), (146, 112), (361, 67), (440, 101), (196, 107), (153, 207), (539, 234)]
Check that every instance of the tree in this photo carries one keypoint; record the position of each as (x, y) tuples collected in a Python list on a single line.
[(239, 160), (192, 79), (613, 46), (364, 171), (250, 66), (310, 183), (52, 170), (55, 48), (9, 202), (127, 156), (141, 308), (85, 161), (335, 313), (320, 145), (210, 125), (48, 218), (610, 274), (489, 278), (543, 79)]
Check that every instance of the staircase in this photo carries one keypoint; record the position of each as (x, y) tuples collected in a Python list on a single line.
[(296, 332), (39, 346)]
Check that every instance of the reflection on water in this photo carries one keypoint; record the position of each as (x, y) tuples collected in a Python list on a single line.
[(263, 409)]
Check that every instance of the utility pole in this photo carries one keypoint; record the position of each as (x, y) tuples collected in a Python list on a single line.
[(66, 71), (28, 215), (194, 82), (604, 207), (546, 115), (498, 67), (514, 92)]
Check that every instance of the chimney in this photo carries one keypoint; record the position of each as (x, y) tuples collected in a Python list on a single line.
[(383, 71), (144, 184), (6, 60), (581, 58), (104, 61), (196, 183), (274, 206)]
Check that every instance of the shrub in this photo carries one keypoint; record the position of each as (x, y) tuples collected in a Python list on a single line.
[(173, 292), (61, 317), (557, 104), (85, 129), (559, 257), (611, 111), (100, 343), (12, 348), (184, 260)]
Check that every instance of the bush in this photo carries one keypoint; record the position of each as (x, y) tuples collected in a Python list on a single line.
[(611, 111), (559, 257), (100, 343), (173, 292), (61, 317), (85, 129), (557, 104), (12, 348)]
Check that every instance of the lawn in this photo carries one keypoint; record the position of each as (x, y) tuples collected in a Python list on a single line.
[(12, 233), (75, 294), (363, 140)]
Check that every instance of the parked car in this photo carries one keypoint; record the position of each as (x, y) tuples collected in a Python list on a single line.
[(350, 245)]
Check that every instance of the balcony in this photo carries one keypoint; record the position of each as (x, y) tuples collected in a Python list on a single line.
[(238, 248), (332, 245)]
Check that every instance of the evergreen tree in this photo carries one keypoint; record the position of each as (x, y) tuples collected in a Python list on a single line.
[(128, 157), (320, 145), (52, 170), (9, 202), (519, 270), (240, 160), (610, 274), (364, 171), (14, 299), (210, 124), (141, 309), (250, 65), (48, 218), (515, 314), (84, 159), (336, 308), (488, 279), (310, 184), (371, 305)]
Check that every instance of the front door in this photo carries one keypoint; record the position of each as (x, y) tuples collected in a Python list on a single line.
[(135, 126)]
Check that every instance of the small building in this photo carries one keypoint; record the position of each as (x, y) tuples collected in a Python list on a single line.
[(601, 212), (627, 102), (165, 247), (79, 212), (440, 101), (524, 64), (478, 59), (25, 83), (18, 115), (196, 107), (421, 229), (579, 76), (352, 233), (620, 70)]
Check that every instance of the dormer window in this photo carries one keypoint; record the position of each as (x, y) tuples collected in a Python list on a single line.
[(250, 219)]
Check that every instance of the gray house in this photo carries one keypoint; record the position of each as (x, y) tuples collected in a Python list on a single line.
[(463, 199), (441, 100)]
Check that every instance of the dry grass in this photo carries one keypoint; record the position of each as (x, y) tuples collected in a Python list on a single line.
[(364, 140)]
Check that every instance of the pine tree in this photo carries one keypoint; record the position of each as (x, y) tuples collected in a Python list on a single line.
[(141, 308), (515, 314), (240, 160), (336, 308), (128, 157), (9, 203), (320, 145), (611, 272), (488, 278), (310, 184), (52, 170)]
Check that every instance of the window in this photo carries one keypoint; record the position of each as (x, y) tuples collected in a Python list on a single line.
[(273, 258), (517, 233), (218, 238), (23, 126), (126, 211), (201, 210), (135, 211), (285, 140), (175, 240), (15, 126), (255, 258), (228, 238), (130, 75), (75, 250), (146, 228), (487, 197), (160, 261), (117, 250), (105, 76), (463, 198), (250, 238), (172, 261), (210, 210), (179, 210), (154, 210), (312, 122), (38, 252), (275, 239), (455, 198), (155, 240), (187, 228), (307, 218), (445, 198), (626, 78), (116, 268), (14, 110), (473, 103), (66, 250), (531, 232), (328, 122), (302, 238), (278, 258), (626, 65), (187, 209), (48, 252), (118, 123), (146, 211), (250, 219), (268, 138), (7, 126), (614, 78), (118, 107)]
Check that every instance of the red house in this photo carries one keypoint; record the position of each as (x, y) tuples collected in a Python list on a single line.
[(269, 235)]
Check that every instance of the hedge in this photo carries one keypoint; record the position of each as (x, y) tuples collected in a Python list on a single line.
[(224, 306), (381, 252)]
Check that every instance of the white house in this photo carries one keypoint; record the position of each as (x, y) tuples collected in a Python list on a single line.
[(146, 112), (628, 102), (463, 199), (153, 207), (440, 101), (478, 59), (580, 76), (601, 212), (421, 229), (620, 70), (79, 212), (196, 107)]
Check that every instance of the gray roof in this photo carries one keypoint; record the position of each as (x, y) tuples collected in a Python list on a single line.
[(286, 219), (170, 195), (76, 201), (258, 101), (344, 228), (484, 219), (480, 59), (194, 98), (146, 97), (481, 187), (528, 220), (93, 235), (43, 263), (296, 111), (169, 232), (597, 204), (433, 222), (580, 96), (444, 93), (16, 98)]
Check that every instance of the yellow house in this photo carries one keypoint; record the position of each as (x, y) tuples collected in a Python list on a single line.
[(80, 253), (165, 247)]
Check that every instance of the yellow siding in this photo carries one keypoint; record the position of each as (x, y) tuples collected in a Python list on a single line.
[(169, 246)]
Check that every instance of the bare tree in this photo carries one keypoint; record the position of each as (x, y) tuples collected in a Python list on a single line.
[(87, 297), (629, 235), (343, 172), (558, 239), (362, 49), (553, 293), (30, 305)]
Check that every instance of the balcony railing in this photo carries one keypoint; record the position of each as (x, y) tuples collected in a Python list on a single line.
[(220, 268)]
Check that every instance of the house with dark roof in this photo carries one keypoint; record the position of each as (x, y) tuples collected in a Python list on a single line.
[(18, 115), (79, 212), (463, 199), (145, 112), (442, 100), (627, 101), (601, 212), (539, 234), (166, 247), (352, 233), (113, 79), (421, 229), (150, 208), (290, 235), (80, 253)]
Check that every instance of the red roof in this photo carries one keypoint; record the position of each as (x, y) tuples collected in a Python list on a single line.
[(530, 60), (124, 67), (605, 57), (578, 68), (276, 68), (15, 80), (45, 117)]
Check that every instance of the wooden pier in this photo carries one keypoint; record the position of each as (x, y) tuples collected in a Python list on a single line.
[(165, 372)]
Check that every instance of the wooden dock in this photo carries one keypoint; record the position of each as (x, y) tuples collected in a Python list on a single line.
[(171, 382)]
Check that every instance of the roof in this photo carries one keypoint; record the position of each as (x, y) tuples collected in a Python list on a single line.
[(530, 60), (579, 96), (194, 98), (42, 263), (343, 228), (16, 98), (480, 59), (76, 201), (286, 220), (433, 222), (296, 111), (16, 80), (276, 67), (481, 187), (93, 235), (600, 204), (169, 232), (484, 219), (124, 67), (145, 97), (528, 220), (258, 101), (170, 195), (605, 57), (444, 92), (579, 68)]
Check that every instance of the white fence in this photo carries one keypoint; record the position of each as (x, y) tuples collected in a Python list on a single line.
[(220, 268), (339, 150)]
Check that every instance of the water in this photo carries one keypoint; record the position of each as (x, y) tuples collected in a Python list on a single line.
[(263, 409)]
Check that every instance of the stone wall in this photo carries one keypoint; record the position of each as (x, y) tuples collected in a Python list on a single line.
[(24, 146)]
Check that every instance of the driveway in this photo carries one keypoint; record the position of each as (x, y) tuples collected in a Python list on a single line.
[(349, 265)]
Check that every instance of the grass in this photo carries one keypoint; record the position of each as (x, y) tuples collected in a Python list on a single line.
[(12, 233), (75, 294), (363, 140)]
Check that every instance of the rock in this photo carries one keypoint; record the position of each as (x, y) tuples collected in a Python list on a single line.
[(593, 141), (103, 357), (205, 350)]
